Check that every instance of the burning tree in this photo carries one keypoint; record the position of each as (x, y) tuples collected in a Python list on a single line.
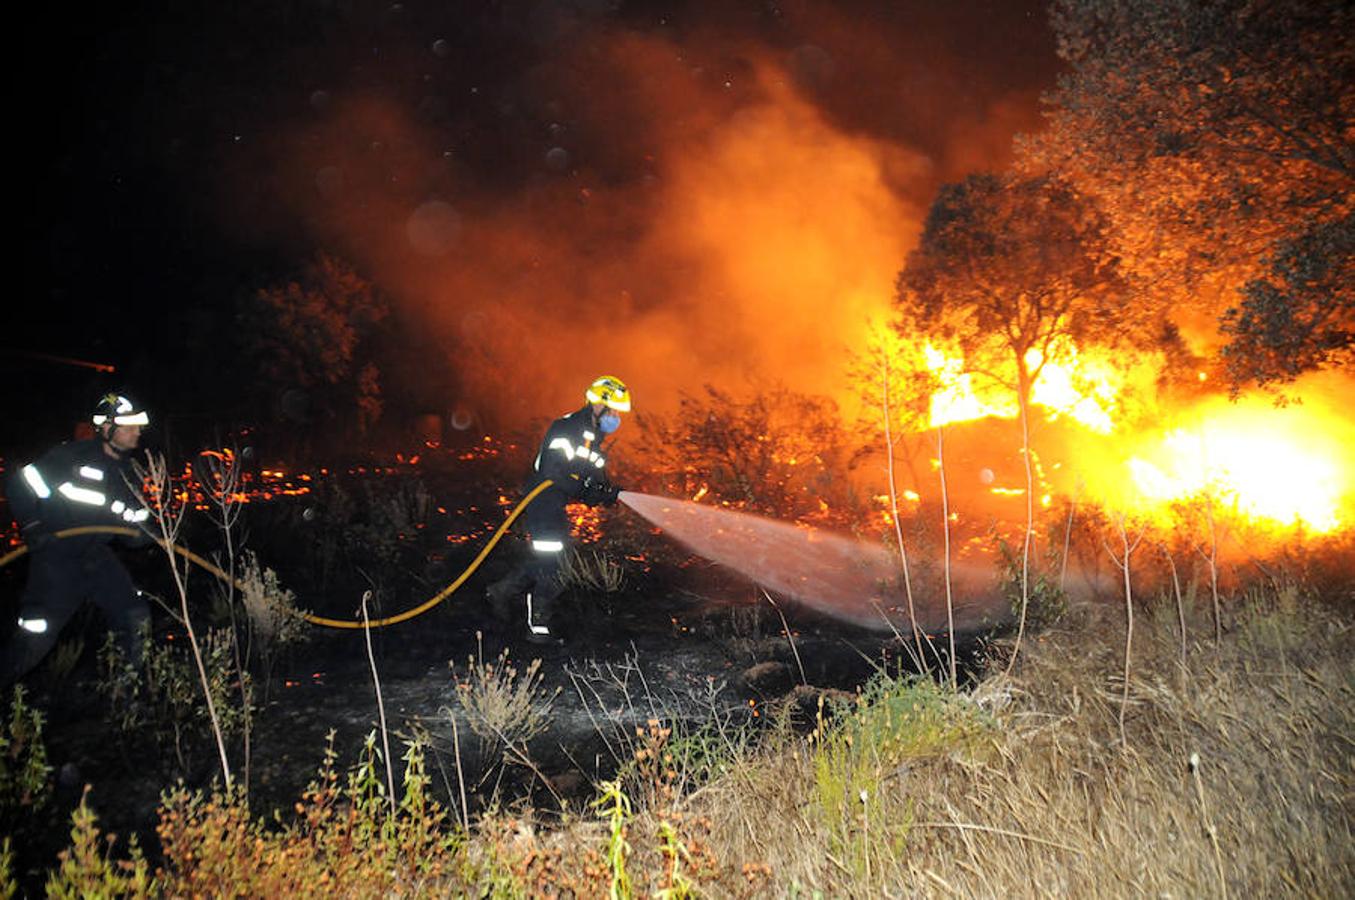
[(1015, 274), (1217, 137)]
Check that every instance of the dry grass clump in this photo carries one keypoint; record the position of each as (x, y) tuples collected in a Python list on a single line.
[(1235, 778), (592, 571), (272, 610), (502, 705)]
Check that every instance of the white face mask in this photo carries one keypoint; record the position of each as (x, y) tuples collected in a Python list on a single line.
[(609, 422)]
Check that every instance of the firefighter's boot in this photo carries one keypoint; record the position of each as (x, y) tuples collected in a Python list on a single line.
[(503, 596), (540, 605)]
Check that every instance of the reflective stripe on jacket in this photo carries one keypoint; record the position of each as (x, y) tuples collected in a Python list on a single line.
[(570, 453), (73, 485)]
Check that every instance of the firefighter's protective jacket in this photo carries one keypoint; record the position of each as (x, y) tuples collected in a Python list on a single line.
[(72, 485), (569, 456)]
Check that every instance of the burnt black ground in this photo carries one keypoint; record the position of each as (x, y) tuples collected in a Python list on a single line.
[(683, 642)]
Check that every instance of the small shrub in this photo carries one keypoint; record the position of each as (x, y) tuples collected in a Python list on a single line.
[(276, 623), (273, 614), (893, 722), (162, 699), (342, 839), (502, 705), (669, 761), (1046, 602), (592, 571), (87, 869), (770, 450), (9, 887), (365, 521), (703, 753), (24, 772)]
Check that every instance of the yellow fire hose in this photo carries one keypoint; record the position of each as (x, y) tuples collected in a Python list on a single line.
[(314, 619)]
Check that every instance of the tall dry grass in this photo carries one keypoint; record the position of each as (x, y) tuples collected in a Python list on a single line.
[(1234, 779)]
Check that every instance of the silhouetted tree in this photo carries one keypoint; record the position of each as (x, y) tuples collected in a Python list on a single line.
[(1302, 319), (1014, 274), (311, 340)]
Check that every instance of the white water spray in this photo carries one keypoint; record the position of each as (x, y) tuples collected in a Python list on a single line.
[(845, 578)]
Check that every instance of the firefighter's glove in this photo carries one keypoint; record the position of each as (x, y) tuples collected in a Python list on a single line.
[(590, 491), (35, 539), (598, 491)]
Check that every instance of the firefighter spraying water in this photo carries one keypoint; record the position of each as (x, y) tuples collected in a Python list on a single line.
[(572, 462)]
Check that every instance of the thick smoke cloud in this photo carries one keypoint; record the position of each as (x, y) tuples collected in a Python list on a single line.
[(704, 208)]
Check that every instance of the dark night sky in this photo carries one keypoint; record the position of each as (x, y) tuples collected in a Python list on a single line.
[(157, 137)]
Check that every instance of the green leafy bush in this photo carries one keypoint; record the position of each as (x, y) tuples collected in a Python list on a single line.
[(162, 699), (25, 784), (894, 721)]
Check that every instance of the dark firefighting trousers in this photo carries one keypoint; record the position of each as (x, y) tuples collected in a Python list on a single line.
[(60, 578), (537, 578)]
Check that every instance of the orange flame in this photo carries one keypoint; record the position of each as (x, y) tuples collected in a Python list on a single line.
[(1284, 466), (1082, 386), (1287, 466)]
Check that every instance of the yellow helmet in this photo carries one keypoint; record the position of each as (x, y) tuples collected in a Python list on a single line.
[(610, 391)]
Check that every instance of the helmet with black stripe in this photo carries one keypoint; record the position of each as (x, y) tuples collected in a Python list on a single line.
[(115, 409), (611, 392)]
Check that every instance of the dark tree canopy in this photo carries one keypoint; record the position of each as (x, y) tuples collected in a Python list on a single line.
[(1257, 84), (1215, 134), (1011, 271), (312, 339), (1303, 317)]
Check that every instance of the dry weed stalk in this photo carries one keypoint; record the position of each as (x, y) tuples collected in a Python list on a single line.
[(945, 525), (1208, 822), (1180, 605), (1030, 527), (460, 776), (785, 627), (1127, 548), (894, 509), (220, 482), (380, 703), (167, 516), (1068, 536), (1212, 558)]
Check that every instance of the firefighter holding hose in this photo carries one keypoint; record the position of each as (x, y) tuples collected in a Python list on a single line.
[(571, 456), (75, 484)]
